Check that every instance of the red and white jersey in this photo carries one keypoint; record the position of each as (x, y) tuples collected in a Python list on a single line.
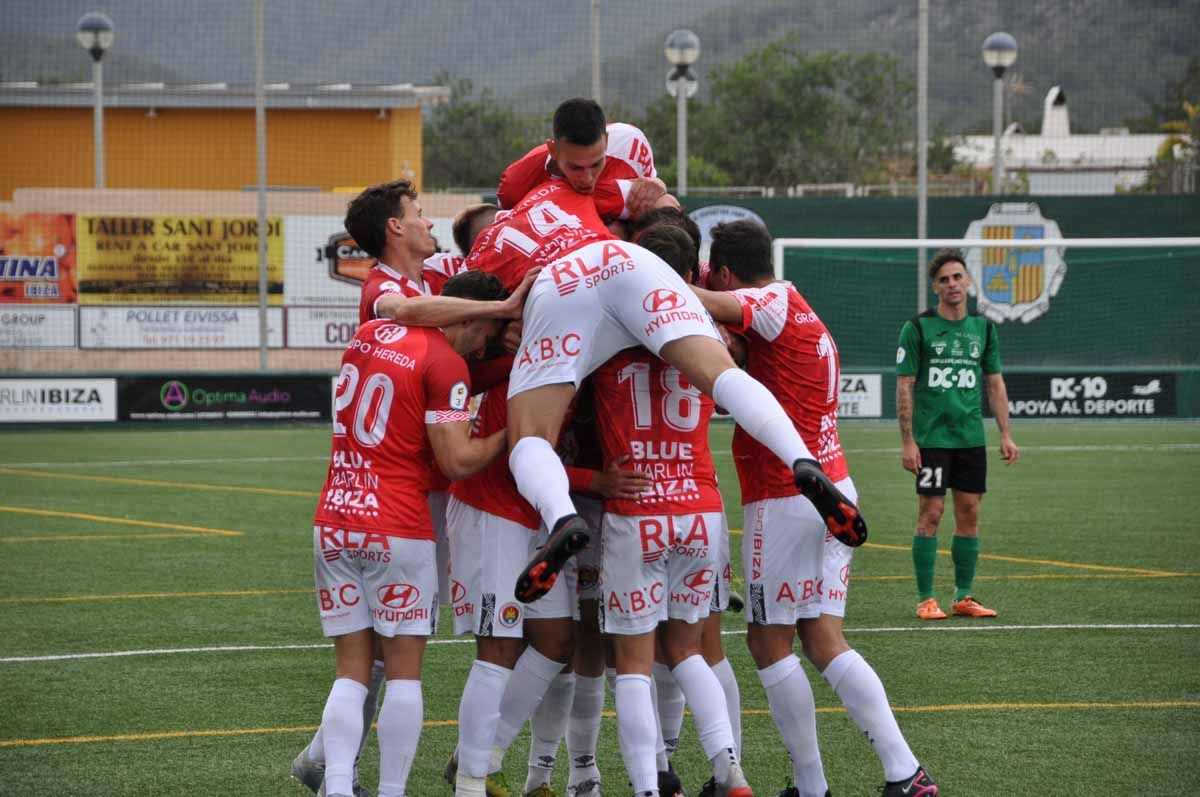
[(492, 489), (647, 411), (627, 157), (394, 380), (440, 267), (382, 280), (791, 352), (545, 225)]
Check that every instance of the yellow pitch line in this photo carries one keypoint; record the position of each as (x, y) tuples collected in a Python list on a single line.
[(120, 521), (158, 483), (1026, 561), (1140, 571), (240, 593), (754, 712), (100, 537)]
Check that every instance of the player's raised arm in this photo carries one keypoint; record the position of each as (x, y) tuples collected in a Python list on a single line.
[(439, 311)]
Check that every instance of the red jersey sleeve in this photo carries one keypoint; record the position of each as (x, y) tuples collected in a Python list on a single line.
[(523, 176), (447, 386)]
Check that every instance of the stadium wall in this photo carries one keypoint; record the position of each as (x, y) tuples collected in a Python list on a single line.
[(208, 148)]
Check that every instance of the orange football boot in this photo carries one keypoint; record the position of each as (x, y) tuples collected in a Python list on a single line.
[(969, 607), (929, 610)]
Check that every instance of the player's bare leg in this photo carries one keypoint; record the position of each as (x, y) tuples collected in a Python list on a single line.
[(535, 418), (707, 364)]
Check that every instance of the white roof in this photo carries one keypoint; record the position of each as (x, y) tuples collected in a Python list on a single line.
[(1049, 153)]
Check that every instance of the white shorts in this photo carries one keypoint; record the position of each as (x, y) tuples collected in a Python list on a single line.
[(367, 580), (582, 310), (587, 561), (658, 567), (437, 510), (487, 553), (795, 569), (724, 568)]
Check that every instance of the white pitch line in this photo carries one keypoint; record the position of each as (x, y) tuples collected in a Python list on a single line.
[(1055, 449), (717, 452), (134, 462), (740, 632)]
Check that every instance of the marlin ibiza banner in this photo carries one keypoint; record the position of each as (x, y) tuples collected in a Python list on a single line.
[(176, 260), (1016, 283)]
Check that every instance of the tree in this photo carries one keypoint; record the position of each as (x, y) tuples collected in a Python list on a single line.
[(782, 115), (470, 139)]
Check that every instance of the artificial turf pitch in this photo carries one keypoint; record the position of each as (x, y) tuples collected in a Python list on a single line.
[(192, 546)]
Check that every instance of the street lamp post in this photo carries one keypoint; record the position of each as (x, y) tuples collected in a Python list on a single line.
[(682, 49), (999, 52), (95, 33)]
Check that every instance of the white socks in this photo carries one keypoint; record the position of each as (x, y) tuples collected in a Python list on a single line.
[(546, 728), (635, 731), (862, 693), (541, 479), (341, 730), (583, 728), (792, 707), (758, 412), (478, 716), (531, 677), (733, 700), (316, 747), (707, 701), (670, 705), (400, 722)]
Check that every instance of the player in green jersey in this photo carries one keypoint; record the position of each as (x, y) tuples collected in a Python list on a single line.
[(946, 356)]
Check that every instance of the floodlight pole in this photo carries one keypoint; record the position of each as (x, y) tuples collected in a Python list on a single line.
[(98, 120), (681, 134), (922, 146), (997, 122), (260, 146)]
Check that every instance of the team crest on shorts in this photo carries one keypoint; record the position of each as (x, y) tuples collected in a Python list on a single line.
[(1018, 283), (510, 615)]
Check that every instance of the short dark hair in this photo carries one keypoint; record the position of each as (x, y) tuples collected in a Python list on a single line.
[(466, 230), (673, 245), (368, 214), (943, 257), (666, 215), (579, 121), (744, 247), (478, 285)]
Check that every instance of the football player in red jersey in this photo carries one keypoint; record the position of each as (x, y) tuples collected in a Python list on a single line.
[(386, 222), (400, 406), (403, 283), (613, 163), (661, 552), (595, 297), (493, 532), (797, 573)]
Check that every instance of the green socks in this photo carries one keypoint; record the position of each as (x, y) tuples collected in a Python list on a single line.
[(965, 553), (924, 554)]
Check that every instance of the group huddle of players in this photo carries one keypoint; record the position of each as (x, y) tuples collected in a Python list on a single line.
[(598, 347)]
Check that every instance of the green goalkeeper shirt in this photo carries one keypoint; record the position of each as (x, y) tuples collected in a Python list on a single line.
[(949, 360)]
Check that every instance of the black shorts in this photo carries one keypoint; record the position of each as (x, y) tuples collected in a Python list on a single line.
[(957, 468)]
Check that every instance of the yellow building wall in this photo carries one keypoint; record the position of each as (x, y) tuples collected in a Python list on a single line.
[(186, 148)]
